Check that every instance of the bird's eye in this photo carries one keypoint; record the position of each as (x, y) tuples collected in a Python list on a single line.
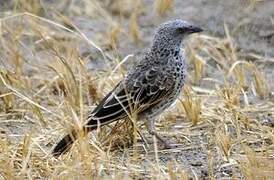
[(181, 30)]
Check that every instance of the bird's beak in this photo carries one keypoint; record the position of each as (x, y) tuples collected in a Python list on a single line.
[(195, 29)]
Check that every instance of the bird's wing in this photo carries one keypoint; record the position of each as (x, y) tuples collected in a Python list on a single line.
[(111, 108), (144, 87), (138, 95), (150, 87)]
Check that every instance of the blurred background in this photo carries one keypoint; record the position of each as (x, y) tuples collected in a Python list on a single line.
[(133, 21)]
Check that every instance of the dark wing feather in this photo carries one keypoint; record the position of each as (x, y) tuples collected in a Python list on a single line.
[(111, 108), (150, 82), (151, 87)]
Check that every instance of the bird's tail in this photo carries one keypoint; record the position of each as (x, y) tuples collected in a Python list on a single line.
[(65, 144), (110, 109)]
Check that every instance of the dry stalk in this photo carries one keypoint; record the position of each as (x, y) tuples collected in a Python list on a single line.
[(259, 83), (224, 143), (133, 27), (191, 106), (161, 7), (230, 96)]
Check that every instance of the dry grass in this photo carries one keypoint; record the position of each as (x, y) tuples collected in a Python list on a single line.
[(162, 6), (46, 89), (191, 106)]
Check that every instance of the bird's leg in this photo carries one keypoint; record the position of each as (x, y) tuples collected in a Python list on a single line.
[(151, 130)]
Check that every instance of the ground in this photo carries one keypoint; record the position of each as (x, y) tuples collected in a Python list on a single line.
[(58, 59)]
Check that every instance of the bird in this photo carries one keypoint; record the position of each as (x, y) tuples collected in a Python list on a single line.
[(150, 86)]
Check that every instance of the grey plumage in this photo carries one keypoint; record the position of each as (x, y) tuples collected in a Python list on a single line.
[(148, 88)]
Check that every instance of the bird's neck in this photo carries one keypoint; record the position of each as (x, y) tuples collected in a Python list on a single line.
[(166, 43)]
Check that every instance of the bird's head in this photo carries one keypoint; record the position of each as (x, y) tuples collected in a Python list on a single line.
[(172, 32)]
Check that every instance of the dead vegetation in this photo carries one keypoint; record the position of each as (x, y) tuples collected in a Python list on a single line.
[(46, 89)]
